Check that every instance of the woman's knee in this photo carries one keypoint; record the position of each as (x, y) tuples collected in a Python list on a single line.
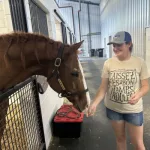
[(121, 138)]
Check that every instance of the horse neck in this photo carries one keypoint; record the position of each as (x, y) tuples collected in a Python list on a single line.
[(32, 58), (41, 53), (41, 58)]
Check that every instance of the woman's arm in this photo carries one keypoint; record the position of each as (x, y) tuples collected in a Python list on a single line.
[(99, 96)]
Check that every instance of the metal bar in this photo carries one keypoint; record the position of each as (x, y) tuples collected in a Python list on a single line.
[(79, 24), (15, 23), (15, 88), (24, 18), (86, 2), (18, 15), (38, 107), (79, 4), (55, 11), (64, 33), (16, 10), (79, 18), (70, 37), (91, 34), (88, 8), (68, 29)]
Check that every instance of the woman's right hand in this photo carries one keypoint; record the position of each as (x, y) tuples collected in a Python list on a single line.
[(92, 109)]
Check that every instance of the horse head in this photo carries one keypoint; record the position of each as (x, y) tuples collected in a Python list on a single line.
[(26, 54), (67, 78)]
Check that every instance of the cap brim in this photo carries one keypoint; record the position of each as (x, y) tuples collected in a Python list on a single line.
[(115, 43)]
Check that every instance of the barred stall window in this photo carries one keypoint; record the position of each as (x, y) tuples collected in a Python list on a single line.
[(18, 15), (38, 19)]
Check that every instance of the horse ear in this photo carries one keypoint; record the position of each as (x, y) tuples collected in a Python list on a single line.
[(76, 46)]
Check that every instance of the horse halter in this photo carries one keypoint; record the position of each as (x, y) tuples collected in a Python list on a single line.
[(55, 73)]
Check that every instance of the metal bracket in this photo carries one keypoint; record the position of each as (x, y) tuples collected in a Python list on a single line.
[(57, 62), (40, 88)]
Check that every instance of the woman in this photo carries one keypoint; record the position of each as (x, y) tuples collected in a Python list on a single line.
[(124, 82)]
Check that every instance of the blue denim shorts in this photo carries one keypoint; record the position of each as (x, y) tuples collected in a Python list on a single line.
[(133, 118)]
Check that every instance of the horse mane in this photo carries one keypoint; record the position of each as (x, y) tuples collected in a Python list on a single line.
[(23, 37)]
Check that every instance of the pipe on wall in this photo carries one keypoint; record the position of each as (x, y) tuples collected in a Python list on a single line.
[(55, 11), (88, 9), (85, 2), (79, 19)]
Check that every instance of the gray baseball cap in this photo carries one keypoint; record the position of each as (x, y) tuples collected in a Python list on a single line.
[(121, 37)]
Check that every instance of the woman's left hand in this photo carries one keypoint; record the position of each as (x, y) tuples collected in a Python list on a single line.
[(140, 92), (134, 98)]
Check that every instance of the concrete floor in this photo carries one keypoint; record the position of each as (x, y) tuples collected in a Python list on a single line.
[(97, 133)]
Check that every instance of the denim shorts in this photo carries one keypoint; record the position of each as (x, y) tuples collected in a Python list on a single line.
[(133, 118)]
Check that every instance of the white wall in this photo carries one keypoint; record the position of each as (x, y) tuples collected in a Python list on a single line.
[(50, 102), (5, 17), (129, 15), (58, 31)]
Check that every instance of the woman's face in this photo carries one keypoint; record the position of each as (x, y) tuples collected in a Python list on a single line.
[(121, 50)]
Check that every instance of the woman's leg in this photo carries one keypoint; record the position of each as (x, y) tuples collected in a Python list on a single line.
[(119, 129), (136, 135), (118, 125)]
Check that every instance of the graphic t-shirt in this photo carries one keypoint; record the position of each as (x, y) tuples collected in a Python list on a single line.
[(124, 80)]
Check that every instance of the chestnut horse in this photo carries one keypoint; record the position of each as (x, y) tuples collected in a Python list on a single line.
[(25, 54)]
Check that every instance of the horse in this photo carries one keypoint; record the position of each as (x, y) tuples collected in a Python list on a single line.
[(23, 55)]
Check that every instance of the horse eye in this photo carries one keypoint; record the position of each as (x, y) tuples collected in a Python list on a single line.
[(75, 73)]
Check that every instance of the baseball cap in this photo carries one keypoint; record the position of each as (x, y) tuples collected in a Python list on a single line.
[(121, 37)]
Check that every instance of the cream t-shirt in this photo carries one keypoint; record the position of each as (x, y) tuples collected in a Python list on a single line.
[(124, 80)]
